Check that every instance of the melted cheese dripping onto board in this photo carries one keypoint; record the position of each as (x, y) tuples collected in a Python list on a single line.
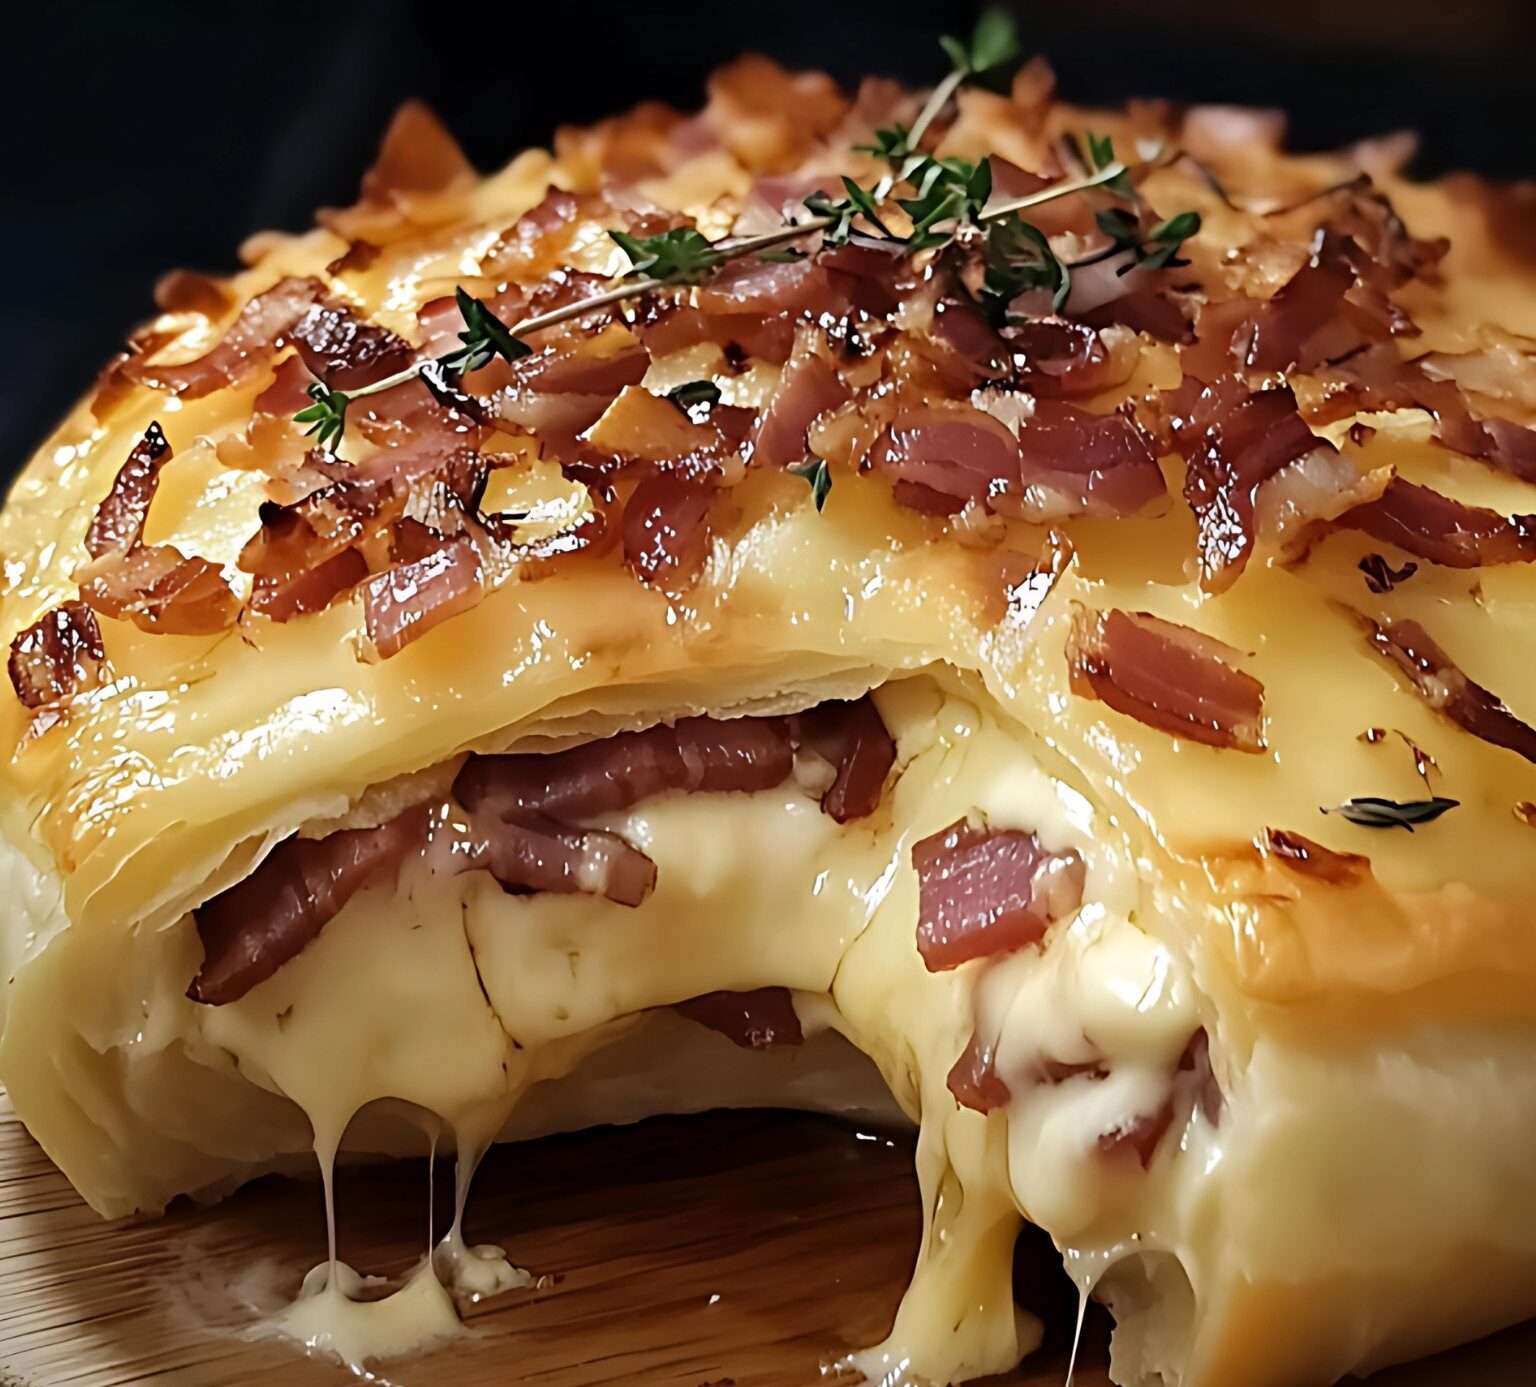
[(753, 891)]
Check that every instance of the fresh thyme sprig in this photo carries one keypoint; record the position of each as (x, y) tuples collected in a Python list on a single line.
[(327, 417), (860, 202), (1369, 811), (948, 190), (1153, 250), (819, 476), (485, 338), (680, 256), (1020, 258)]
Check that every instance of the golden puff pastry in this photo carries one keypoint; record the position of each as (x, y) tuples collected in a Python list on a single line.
[(1070, 664)]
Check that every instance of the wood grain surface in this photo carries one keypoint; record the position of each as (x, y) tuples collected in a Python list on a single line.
[(739, 1248)]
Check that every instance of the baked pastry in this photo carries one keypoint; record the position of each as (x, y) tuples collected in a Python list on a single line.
[(1075, 658)]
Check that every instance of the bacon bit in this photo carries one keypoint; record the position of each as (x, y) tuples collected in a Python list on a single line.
[(710, 755), (755, 1020), (534, 853), (621, 149), (404, 604), (853, 739), (1504, 370), (1155, 312), (1060, 357), (668, 525), (116, 382), (263, 327), (187, 291), (163, 591), (286, 396), (808, 389), (1077, 463), (359, 255), (56, 657), (1314, 860), (249, 931), (750, 285), (1166, 676), (1192, 1085), (417, 156), (1380, 576), (119, 521), (1282, 329), (1235, 440), (941, 458), (313, 590), (983, 892), (1446, 689), (973, 1078), (1443, 530), (346, 351)]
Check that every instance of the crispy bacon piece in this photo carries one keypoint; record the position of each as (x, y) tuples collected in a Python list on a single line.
[(809, 388), (973, 1079), (312, 590), (265, 324), (257, 925), (402, 605), (1446, 689), (704, 754), (162, 591), (755, 1020), (533, 853), (1313, 859), (852, 738), (985, 891), (1073, 462), (750, 285), (1166, 676), (940, 459), (1234, 441), (188, 291), (668, 529), (56, 657), (1443, 530), (1061, 357), (346, 351), (119, 521)]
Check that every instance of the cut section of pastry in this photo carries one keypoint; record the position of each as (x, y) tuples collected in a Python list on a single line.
[(1048, 634)]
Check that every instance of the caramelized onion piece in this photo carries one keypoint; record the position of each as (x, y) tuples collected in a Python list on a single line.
[(755, 1020), (1443, 530), (119, 521), (706, 754), (1166, 676), (346, 351), (1445, 688), (853, 739), (1313, 859), (984, 891), (667, 530), (252, 929), (264, 324), (534, 853), (162, 591), (404, 604), (56, 657)]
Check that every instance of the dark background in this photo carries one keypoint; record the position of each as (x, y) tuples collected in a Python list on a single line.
[(150, 135)]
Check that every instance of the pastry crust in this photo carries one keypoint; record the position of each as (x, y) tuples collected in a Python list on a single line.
[(1339, 1008)]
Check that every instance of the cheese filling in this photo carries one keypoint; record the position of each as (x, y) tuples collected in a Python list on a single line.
[(470, 1008)]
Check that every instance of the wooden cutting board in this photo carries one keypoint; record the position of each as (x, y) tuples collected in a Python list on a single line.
[(738, 1248)]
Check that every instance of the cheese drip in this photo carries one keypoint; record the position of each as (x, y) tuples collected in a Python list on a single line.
[(760, 890)]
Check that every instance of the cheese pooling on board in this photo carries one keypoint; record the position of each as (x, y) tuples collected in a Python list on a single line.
[(933, 605)]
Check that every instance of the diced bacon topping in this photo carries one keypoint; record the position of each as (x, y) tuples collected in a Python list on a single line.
[(668, 528), (284, 597), (1302, 855), (249, 931), (1056, 356), (56, 657), (264, 325), (985, 891), (852, 738), (973, 1079), (162, 591), (694, 754), (1445, 688), (1235, 440), (346, 351), (755, 1020), (1193, 1085), (1443, 530), (119, 521), (1166, 676), (402, 605), (534, 853), (940, 459), (809, 388), (1077, 463)]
